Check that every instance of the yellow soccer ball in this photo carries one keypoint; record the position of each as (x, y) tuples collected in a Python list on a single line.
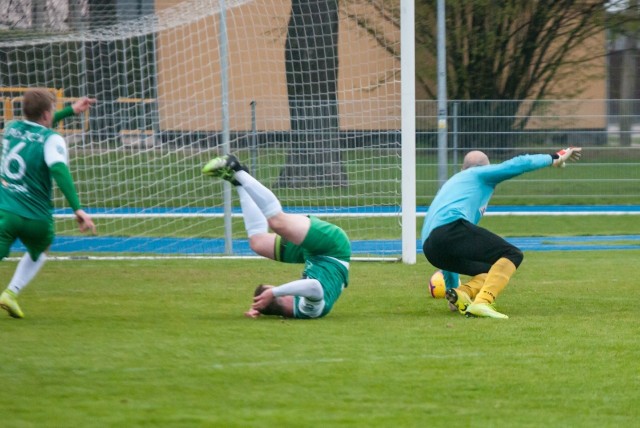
[(437, 287)]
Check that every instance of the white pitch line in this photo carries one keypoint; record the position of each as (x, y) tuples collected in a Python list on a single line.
[(250, 364), (355, 215)]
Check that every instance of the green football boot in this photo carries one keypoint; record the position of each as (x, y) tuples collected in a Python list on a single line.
[(224, 167), (9, 302), (458, 300), (485, 310)]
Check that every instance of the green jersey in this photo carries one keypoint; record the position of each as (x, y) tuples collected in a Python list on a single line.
[(326, 253), (28, 150)]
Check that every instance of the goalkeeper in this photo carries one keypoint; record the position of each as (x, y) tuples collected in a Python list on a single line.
[(453, 242), (324, 248), (33, 154)]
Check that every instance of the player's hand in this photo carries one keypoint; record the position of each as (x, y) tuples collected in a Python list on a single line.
[(84, 222), (568, 154), (83, 104), (262, 300), (252, 313)]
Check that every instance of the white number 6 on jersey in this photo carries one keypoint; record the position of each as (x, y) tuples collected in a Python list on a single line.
[(13, 156)]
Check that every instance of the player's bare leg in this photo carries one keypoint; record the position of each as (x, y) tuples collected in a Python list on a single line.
[(263, 244), (293, 227)]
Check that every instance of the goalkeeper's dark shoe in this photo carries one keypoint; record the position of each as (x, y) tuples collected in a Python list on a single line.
[(9, 302), (458, 300), (224, 167)]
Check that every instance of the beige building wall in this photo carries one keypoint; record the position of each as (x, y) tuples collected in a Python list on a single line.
[(190, 87), (582, 88), (189, 73)]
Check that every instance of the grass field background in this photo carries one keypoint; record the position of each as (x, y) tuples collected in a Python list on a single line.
[(164, 343), (165, 177), (171, 177), (373, 228)]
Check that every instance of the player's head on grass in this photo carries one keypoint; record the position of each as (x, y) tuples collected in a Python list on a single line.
[(281, 306)]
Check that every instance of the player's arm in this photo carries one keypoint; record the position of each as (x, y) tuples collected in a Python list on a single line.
[(497, 173), (61, 115), (80, 106), (55, 156), (518, 165), (308, 288), (62, 176), (561, 158)]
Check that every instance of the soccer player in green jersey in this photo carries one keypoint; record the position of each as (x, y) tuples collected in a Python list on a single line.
[(32, 155), (324, 248)]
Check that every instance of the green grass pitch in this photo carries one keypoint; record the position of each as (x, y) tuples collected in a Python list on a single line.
[(165, 344)]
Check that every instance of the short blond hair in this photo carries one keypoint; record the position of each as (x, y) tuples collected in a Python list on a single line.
[(36, 102)]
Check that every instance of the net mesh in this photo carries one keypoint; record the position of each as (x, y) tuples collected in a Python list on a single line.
[(306, 94)]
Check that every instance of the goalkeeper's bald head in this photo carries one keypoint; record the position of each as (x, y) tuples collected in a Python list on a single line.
[(475, 158)]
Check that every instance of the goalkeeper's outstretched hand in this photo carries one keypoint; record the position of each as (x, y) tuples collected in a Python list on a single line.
[(568, 154)]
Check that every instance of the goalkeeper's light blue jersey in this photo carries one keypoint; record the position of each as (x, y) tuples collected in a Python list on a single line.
[(466, 194)]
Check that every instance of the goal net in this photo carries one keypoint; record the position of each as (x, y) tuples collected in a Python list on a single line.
[(306, 94)]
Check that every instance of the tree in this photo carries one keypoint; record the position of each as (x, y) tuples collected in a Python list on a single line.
[(627, 87), (39, 14), (101, 64), (509, 50), (624, 20), (311, 61), (76, 19)]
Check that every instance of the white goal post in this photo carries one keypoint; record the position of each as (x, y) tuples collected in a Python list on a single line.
[(317, 98)]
